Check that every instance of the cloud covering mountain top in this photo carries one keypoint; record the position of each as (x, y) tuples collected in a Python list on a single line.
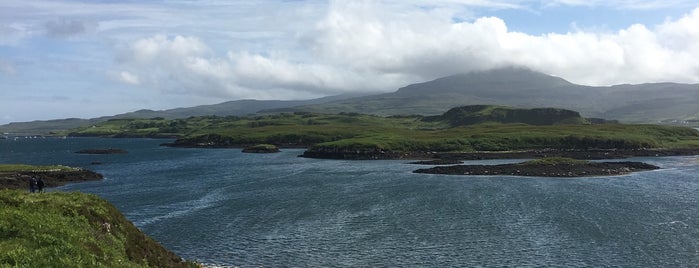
[(159, 55)]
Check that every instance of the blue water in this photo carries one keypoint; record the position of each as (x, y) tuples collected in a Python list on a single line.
[(225, 208)]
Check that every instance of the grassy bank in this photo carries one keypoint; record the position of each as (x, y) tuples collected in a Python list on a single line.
[(73, 230)]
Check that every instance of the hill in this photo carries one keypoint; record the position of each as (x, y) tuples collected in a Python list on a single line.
[(236, 108), (361, 136), (73, 230), (478, 114)]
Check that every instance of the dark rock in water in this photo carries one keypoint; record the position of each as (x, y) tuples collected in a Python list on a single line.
[(95, 163), (438, 162), (583, 169), (261, 149), (102, 151)]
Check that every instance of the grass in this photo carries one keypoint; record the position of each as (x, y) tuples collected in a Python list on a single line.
[(23, 167), (70, 230), (352, 131), (552, 161)]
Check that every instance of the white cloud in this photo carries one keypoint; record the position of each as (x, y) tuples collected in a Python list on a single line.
[(428, 45), (371, 46), (128, 78), (623, 4)]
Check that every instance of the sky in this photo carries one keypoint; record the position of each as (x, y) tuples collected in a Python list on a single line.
[(89, 58)]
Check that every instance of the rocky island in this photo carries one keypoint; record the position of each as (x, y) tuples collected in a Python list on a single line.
[(102, 151), (545, 167), (261, 149)]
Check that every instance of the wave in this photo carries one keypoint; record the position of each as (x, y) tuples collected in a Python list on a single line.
[(187, 207)]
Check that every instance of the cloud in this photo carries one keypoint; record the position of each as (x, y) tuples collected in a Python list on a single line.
[(623, 4), (370, 46), (127, 77), (7, 68), (64, 28), (11, 34), (182, 64), (428, 45)]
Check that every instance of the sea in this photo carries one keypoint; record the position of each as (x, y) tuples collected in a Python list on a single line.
[(225, 208)]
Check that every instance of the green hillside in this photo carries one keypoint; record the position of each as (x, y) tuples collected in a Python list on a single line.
[(463, 129), (73, 230)]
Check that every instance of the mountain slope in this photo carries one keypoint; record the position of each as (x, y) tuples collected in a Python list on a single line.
[(644, 103)]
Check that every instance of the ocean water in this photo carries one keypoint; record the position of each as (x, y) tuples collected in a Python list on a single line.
[(225, 208)]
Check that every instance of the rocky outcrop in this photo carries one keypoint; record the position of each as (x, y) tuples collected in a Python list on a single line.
[(583, 169), (102, 151), (261, 149), (20, 179)]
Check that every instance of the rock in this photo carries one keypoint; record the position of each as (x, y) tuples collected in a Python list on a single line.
[(437, 162), (261, 149), (583, 169), (102, 151)]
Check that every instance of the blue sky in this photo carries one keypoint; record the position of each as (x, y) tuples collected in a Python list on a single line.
[(62, 59)]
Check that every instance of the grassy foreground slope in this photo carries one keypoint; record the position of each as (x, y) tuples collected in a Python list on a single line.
[(73, 230)]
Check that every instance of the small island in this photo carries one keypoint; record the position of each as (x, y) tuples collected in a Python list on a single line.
[(16, 176), (261, 149), (102, 151), (545, 167)]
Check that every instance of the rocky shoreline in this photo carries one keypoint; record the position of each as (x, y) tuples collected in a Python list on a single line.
[(102, 151), (20, 179), (591, 154), (583, 169)]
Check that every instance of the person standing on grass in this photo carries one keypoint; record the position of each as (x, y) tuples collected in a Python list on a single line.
[(32, 184), (40, 185)]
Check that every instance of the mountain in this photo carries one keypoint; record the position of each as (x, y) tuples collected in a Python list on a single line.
[(517, 87), (670, 103)]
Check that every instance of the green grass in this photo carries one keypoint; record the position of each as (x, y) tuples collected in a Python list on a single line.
[(23, 167), (554, 161), (352, 131), (69, 230)]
